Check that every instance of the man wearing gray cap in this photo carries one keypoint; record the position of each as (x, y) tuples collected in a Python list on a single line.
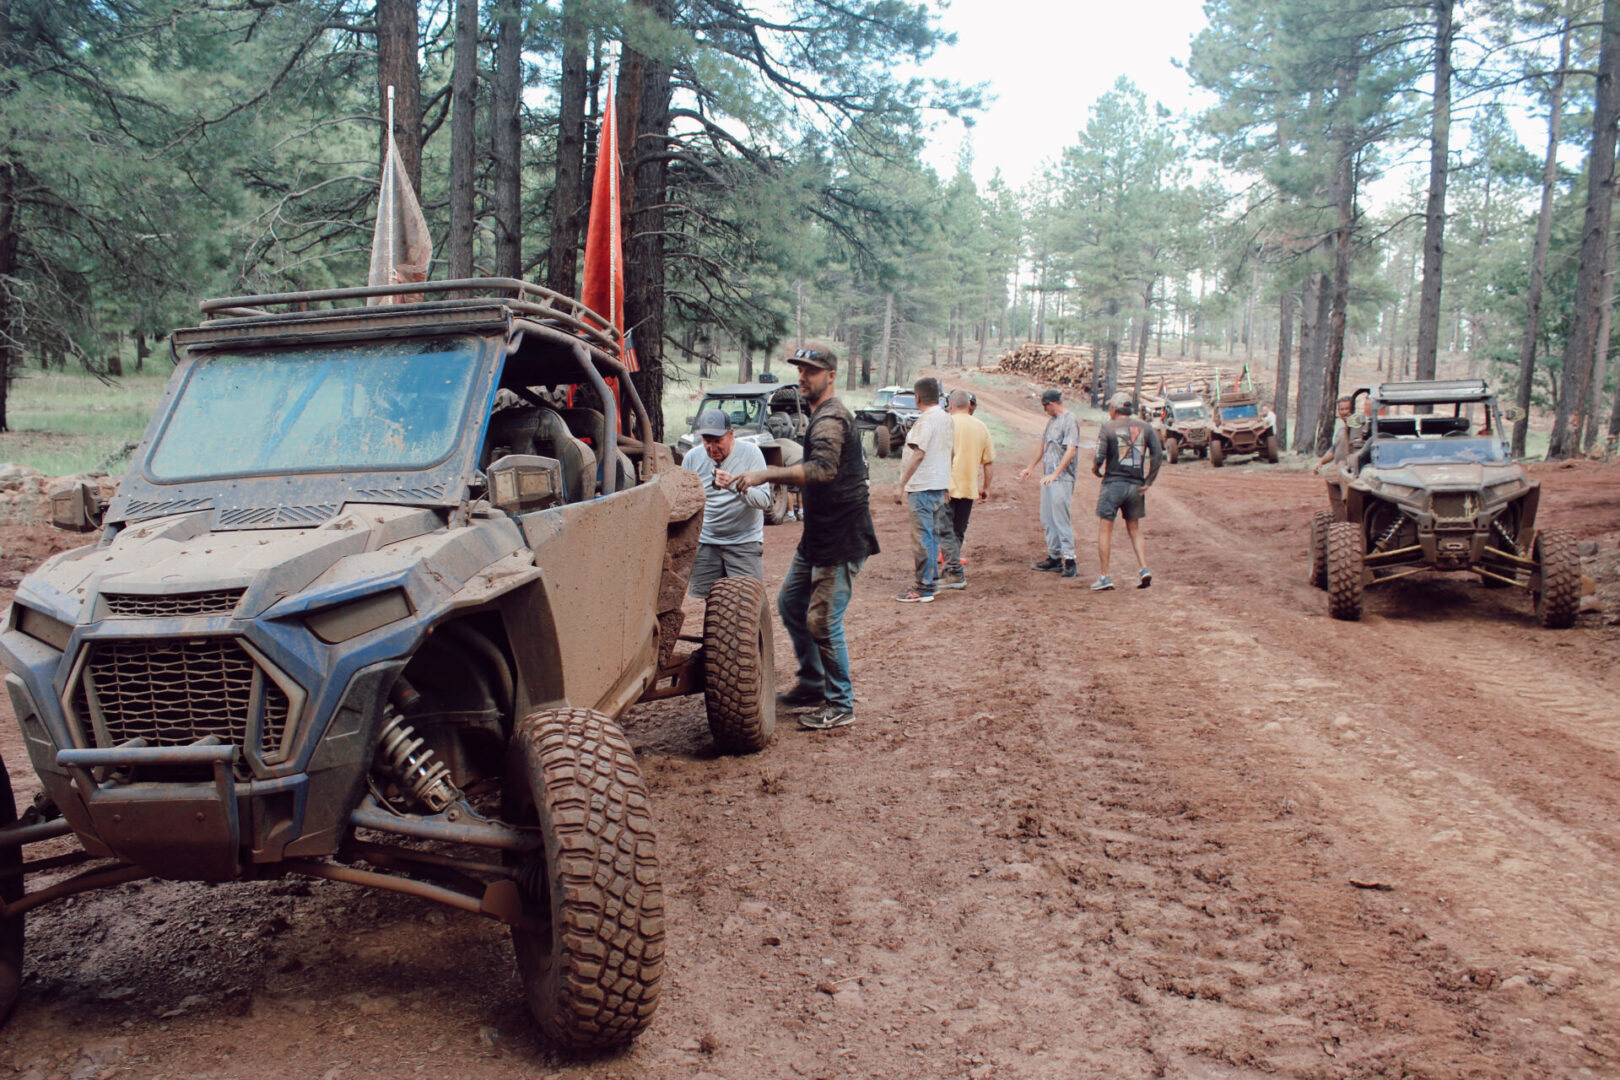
[(1127, 459), (1060, 444), (732, 543)]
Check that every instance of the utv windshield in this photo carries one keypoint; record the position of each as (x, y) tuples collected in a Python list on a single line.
[(1188, 412), (744, 411), (1395, 453), (1239, 412), (387, 405)]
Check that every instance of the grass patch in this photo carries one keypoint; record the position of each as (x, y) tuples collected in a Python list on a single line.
[(70, 422)]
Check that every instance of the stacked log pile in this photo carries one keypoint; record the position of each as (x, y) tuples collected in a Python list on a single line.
[(1059, 365), (1075, 365)]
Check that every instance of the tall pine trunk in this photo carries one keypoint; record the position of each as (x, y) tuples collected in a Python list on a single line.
[(397, 67), (1580, 346), (506, 141), (1312, 358), (643, 103), (884, 372), (565, 193), (10, 354), (1538, 254), (463, 139), (1434, 221), (1344, 197), (1592, 416), (1142, 341), (1285, 356)]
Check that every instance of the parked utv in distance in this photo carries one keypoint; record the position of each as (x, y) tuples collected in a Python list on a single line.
[(371, 577), (1240, 429), (1428, 490), (1184, 425), (770, 415), (891, 422)]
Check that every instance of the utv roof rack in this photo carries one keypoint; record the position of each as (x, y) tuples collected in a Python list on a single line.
[(457, 303)]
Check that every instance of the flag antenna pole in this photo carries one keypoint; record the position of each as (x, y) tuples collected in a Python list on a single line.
[(387, 153)]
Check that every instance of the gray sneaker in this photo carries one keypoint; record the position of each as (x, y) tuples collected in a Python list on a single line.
[(827, 717), (1144, 578), (953, 582), (1102, 584)]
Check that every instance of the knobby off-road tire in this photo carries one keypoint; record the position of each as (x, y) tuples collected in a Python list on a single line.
[(781, 505), (881, 442), (1559, 597), (1172, 448), (1217, 453), (1344, 566), (739, 666), (1320, 521), (11, 888), (591, 969), (1269, 448)]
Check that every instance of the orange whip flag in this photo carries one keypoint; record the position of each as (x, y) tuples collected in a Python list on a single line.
[(603, 290), (401, 248)]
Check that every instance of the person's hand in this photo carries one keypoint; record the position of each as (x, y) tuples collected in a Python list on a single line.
[(1049, 478), (1023, 474), (723, 479), (984, 496), (900, 496), (743, 481)]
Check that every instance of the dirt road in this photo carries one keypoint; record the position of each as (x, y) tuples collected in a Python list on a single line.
[(1198, 831)]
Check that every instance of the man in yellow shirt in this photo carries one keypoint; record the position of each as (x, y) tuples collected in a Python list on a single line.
[(971, 450)]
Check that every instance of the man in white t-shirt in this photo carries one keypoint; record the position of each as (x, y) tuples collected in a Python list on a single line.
[(925, 481)]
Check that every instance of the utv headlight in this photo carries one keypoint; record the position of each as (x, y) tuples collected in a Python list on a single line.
[(41, 627), (341, 622), (1398, 491), (1504, 489)]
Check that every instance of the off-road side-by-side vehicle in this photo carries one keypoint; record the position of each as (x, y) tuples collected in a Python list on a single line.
[(1240, 429), (1430, 488), (1183, 425), (891, 422), (773, 417), (869, 418), (343, 598)]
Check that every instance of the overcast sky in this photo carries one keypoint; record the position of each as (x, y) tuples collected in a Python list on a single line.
[(1046, 61)]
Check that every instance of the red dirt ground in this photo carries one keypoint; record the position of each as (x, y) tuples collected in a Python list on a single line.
[(1196, 831)]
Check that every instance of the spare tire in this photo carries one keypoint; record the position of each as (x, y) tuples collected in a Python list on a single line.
[(881, 441), (1558, 598), (739, 666)]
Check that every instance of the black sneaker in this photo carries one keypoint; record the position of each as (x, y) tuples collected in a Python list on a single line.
[(827, 717), (800, 697), (1049, 563), (1069, 569)]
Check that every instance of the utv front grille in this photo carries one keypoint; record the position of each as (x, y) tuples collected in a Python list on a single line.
[(134, 606), (174, 692), (1454, 505)]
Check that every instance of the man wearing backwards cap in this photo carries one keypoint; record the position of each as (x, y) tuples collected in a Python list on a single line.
[(1127, 459), (732, 543), (838, 538), (1060, 444)]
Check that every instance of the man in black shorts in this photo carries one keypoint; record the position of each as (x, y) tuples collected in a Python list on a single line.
[(1128, 458)]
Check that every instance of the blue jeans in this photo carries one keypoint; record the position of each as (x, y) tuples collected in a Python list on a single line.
[(812, 602), (930, 523)]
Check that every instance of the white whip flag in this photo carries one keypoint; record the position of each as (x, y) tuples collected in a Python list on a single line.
[(401, 249)]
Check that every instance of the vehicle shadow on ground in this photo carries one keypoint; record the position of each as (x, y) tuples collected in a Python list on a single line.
[(1436, 600)]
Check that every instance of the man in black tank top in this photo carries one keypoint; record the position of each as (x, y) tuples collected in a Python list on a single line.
[(838, 538)]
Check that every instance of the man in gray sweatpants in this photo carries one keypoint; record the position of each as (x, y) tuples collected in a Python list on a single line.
[(1057, 457)]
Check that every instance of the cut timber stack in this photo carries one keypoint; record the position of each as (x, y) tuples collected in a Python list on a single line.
[(1073, 365), (1061, 365)]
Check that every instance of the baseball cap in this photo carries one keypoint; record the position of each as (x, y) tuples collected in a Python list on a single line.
[(1120, 402), (1049, 397), (820, 359), (712, 422)]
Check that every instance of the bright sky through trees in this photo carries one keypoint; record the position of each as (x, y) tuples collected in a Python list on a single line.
[(1046, 62)]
